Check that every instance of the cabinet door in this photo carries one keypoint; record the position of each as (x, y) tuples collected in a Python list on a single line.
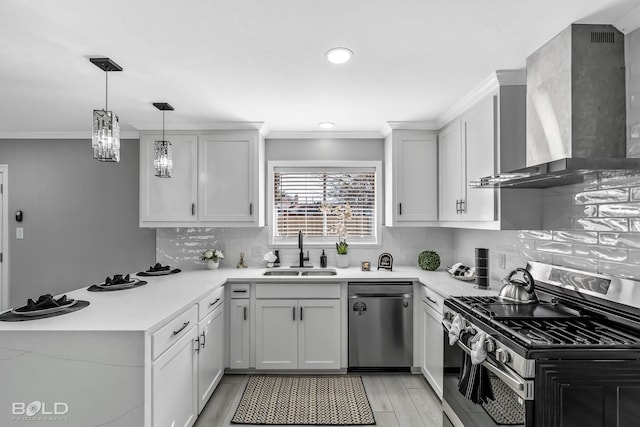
[(174, 384), (479, 132), (239, 334), (450, 173), (227, 169), (416, 184), (169, 199), (276, 334), (432, 348), (211, 355), (319, 334)]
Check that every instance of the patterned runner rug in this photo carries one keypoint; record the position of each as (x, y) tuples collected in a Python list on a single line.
[(304, 400)]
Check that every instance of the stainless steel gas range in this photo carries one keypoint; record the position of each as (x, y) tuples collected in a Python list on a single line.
[(570, 359)]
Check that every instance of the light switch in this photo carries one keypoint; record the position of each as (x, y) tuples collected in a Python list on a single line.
[(19, 233)]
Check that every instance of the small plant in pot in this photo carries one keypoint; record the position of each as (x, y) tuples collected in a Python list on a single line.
[(343, 214)]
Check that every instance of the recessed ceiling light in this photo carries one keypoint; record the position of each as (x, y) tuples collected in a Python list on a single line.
[(326, 125), (339, 55)]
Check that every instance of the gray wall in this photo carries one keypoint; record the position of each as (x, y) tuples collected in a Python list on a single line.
[(80, 216), (593, 226)]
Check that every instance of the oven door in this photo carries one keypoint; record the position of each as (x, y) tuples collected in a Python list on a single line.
[(513, 396)]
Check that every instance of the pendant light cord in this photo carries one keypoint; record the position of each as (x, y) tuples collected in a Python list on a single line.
[(106, 91)]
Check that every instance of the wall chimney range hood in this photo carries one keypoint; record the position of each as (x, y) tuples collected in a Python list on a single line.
[(576, 113)]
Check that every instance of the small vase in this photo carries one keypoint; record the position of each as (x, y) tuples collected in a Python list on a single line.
[(342, 260), (213, 265)]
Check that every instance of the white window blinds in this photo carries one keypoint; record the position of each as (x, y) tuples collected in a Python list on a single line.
[(311, 200)]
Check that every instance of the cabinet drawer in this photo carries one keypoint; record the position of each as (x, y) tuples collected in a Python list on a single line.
[(170, 333), (297, 290), (433, 299), (239, 290), (209, 303)]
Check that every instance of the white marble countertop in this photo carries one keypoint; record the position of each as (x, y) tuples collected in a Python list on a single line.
[(142, 308)]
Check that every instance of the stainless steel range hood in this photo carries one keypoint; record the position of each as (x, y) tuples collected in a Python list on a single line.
[(575, 111)]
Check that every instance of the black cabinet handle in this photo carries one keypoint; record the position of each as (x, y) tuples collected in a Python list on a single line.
[(193, 208), (301, 314), (204, 339), (214, 302), (250, 209), (400, 208), (432, 300), (293, 311), (245, 313), (240, 291), (181, 329)]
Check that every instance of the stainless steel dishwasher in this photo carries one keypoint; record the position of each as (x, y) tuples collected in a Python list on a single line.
[(380, 325)]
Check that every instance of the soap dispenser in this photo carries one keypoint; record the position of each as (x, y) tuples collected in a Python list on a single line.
[(323, 260)]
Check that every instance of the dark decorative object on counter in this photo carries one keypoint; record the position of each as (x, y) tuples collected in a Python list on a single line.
[(366, 266), (159, 270), (429, 260), (116, 284), (276, 263), (385, 261), (482, 268), (45, 306), (323, 260)]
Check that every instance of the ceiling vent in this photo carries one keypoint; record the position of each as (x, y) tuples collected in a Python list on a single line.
[(603, 37)]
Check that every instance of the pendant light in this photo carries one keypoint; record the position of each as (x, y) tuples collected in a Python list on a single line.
[(162, 161), (106, 129)]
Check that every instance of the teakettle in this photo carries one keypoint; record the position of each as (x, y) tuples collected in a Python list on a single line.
[(518, 291)]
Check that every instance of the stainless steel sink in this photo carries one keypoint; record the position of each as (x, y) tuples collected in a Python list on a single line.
[(281, 273), (318, 273), (307, 273)]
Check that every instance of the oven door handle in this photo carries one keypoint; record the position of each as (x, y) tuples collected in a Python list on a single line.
[(521, 387)]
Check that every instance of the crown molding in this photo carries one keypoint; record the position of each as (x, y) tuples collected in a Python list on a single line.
[(62, 135), (324, 135), (145, 126), (629, 22), (485, 88), (419, 125)]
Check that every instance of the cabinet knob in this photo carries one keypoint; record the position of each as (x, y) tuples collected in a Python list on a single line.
[(193, 208)]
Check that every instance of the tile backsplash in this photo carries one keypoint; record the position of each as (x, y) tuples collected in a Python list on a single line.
[(593, 226), (182, 247)]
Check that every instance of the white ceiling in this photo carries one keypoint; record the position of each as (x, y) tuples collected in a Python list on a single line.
[(263, 60)]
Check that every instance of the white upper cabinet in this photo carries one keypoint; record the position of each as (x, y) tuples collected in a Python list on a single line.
[(484, 135), (218, 180), (227, 168), (411, 178), (169, 199)]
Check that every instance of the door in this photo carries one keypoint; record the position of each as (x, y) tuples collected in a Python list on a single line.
[(432, 348), (276, 334), (319, 334), (210, 355), (169, 199), (227, 169), (450, 172), (417, 182), (479, 131), (4, 238), (175, 391), (239, 334)]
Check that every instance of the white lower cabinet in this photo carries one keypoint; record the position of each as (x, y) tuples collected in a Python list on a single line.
[(432, 348), (297, 334), (210, 354), (239, 333), (175, 383)]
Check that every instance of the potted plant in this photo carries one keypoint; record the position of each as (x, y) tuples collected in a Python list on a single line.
[(343, 214), (212, 258)]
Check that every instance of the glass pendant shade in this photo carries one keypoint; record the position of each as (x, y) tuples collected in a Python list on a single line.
[(106, 136), (162, 162)]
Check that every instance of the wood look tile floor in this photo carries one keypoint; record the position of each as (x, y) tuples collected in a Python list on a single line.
[(397, 400)]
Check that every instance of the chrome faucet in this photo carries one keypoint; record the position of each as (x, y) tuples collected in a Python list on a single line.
[(303, 258)]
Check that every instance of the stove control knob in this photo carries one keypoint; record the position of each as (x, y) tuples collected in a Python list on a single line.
[(490, 345), (503, 355), (448, 316)]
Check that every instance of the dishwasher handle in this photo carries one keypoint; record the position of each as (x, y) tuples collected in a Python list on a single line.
[(366, 295)]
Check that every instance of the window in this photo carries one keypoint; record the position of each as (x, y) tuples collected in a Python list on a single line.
[(310, 196)]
